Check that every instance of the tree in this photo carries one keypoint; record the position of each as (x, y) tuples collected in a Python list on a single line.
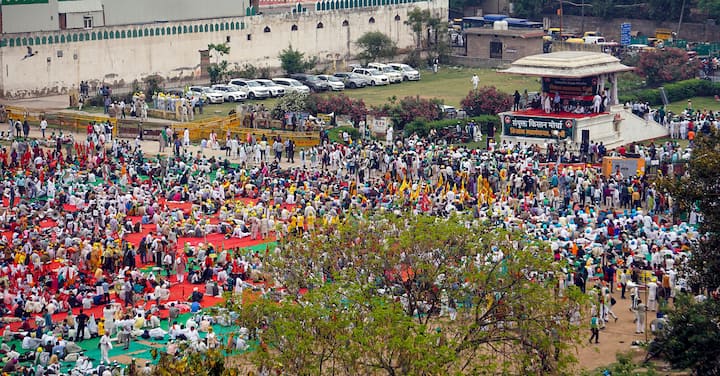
[(375, 45), (667, 65), (531, 9), (486, 100), (428, 32), (692, 339), (294, 61), (209, 363), (698, 190), (385, 279), (290, 102), (219, 69), (711, 8)]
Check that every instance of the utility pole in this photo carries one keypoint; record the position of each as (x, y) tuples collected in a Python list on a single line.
[(561, 19), (582, 18), (682, 12)]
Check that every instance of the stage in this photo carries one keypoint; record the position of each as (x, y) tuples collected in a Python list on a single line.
[(617, 127), (537, 112)]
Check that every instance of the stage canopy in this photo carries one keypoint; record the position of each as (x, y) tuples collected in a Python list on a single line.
[(567, 64)]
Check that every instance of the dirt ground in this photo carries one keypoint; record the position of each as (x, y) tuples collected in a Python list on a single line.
[(616, 337)]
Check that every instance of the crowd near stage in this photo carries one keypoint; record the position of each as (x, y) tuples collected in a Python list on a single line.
[(577, 103)]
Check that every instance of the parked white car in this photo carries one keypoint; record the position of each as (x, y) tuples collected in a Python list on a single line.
[(408, 73), (254, 89), (335, 83), (373, 75), (231, 93), (292, 85), (275, 89), (213, 96), (394, 76)]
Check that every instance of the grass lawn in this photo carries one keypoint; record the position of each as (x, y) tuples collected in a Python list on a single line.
[(698, 103), (451, 84)]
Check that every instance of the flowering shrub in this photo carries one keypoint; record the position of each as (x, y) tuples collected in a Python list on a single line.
[(667, 65), (486, 100)]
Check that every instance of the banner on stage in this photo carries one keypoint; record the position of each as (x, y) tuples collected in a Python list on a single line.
[(541, 127)]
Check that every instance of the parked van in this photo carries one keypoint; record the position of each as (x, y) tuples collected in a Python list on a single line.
[(594, 40)]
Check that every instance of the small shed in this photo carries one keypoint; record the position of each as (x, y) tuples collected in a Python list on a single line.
[(507, 45)]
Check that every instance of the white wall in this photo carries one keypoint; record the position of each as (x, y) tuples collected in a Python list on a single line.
[(77, 20), (30, 17), (120, 61), (125, 12)]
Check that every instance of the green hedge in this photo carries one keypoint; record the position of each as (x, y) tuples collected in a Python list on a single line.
[(422, 127), (677, 91)]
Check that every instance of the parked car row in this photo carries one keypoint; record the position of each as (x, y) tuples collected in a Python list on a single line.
[(240, 89)]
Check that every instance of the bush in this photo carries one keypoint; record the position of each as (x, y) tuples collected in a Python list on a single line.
[(486, 100), (340, 104), (409, 109), (675, 92), (335, 134), (667, 65), (422, 127), (290, 102)]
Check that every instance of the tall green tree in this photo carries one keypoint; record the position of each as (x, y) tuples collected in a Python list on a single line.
[(692, 339), (410, 269), (531, 9), (218, 70), (711, 8), (428, 32), (699, 190), (294, 61), (375, 45)]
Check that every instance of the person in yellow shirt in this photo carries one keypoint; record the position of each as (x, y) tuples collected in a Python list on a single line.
[(300, 224), (311, 222), (293, 224), (101, 327)]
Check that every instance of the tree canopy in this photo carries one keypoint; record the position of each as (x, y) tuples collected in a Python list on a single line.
[(373, 295), (375, 45), (294, 61), (692, 338)]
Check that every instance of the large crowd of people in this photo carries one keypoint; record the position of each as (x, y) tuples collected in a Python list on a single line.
[(97, 222)]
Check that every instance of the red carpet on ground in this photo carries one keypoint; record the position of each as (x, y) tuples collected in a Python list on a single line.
[(178, 292), (562, 115)]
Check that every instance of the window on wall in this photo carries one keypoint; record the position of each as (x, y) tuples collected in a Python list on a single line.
[(371, 20), (293, 28), (88, 22), (346, 23), (267, 29), (320, 25)]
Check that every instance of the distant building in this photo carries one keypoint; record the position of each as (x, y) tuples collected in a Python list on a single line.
[(503, 45), (20, 16)]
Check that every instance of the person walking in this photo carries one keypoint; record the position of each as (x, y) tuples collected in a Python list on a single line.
[(105, 347), (43, 126), (475, 81), (594, 329), (516, 101)]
